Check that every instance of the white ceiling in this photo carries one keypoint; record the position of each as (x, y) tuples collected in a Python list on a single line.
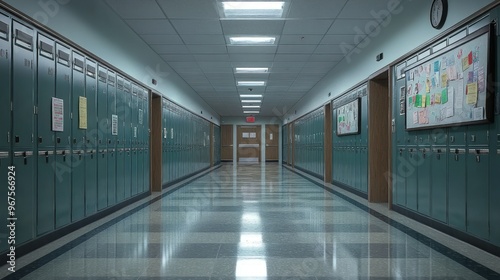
[(191, 36)]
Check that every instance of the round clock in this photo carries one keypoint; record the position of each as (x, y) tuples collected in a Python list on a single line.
[(439, 11)]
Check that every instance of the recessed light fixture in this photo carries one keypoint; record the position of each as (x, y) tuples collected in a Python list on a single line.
[(251, 70), (251, 112), (251, 83), (251, 95), (252, 40), (250, 106), (253, 9), (251, 101)]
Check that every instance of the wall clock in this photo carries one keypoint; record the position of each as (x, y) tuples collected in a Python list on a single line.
[(439, 11)]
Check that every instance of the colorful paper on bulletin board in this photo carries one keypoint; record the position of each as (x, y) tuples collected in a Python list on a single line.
[(428, 100), (444, 96), (465, 63), (444, 80), (418, 101), (437, 66), (424, 103), (82, 112), (481, 81), (470, 58), (428, 86), (437, 99), (472, 93)]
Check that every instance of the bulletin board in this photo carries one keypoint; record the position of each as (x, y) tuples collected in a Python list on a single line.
[(348, 121), (450, 88)]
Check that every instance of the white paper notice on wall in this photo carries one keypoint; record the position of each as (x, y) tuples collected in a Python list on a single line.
[(135, 131), (253, 135), (57, 114), (114, 124), (140, 116), (270, 136), (172, 133)]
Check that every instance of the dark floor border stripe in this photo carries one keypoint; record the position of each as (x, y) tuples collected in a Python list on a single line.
[(68, 246), (433, 244)]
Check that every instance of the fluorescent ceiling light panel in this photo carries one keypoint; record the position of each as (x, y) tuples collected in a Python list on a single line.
[(251, 83), (251, 106), (251, 95), (251, 101), (251, 70), (254, 9), (251, 112), (252, 40)]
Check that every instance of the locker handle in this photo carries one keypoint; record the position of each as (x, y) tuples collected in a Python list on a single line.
[(40, 140), (74, 140), (17, 139), (58, 140)]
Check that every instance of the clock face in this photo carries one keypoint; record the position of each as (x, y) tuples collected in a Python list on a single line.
[(439, 12)]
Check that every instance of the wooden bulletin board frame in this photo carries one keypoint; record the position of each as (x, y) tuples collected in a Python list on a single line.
[(348, 118), (451, 87)]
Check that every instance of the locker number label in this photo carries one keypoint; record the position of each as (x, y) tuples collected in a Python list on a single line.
[(11, 219)]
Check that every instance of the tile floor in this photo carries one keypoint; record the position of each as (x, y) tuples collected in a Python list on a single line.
[(252, 221)]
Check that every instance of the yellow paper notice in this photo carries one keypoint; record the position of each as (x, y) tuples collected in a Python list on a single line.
[(82, 112), (472, 93), (444, 80)]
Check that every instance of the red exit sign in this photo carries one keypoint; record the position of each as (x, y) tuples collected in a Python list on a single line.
[(250, 119)]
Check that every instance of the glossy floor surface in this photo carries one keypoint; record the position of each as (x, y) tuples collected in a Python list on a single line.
[(252, 222)]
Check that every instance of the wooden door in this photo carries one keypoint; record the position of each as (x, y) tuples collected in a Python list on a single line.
[(272, 142), (248, 143), (226, 143)]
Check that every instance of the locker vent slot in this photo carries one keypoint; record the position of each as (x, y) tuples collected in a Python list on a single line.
[(24, 40), (90, 71), (127, 87), (63, 58), (111, 80), (46, 50), (102, 76), (78, 65), (4, 30)]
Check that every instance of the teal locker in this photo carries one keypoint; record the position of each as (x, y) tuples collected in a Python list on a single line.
[(494, 195), (439, 183), (45, 192), (164, 143), (112, 137), (127, 131), (412, 178), (120, 142), (439, 137), (400, 170), (46, 90), (134, 153), (63, 172), (5, 86), (24, 163), (135, 167), (5, 162), (146, 141), (23, 85), (478, 135), (102, 129), (140, 170), (457, 182), (120, 174), (364, 169), (77, 185), (78, 140), (91, 134), (478, 192), (457, 136), (424, 180), (140, 139), (63, 92), (127, 192)]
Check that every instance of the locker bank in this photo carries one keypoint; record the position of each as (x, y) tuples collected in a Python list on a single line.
[(213, 139)]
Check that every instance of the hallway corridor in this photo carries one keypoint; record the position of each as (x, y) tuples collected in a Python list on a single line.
[(253, 222)]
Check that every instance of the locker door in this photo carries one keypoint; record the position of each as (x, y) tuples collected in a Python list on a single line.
[(120, 147), (63, 172), (495, 193), (457, 188), (127, 95), (5, 162), (78, 140), (424, 180), (102, 158), (5, 86), (63, 92), (364, 169), (146, 141), (477, 192), (91, 134), (46, 90), (46, 192), (400, 169), (439, 183), (23, 85), (134, 153), (164, 142), (412, 178), (24, 163), (112, 137), (140, 141)]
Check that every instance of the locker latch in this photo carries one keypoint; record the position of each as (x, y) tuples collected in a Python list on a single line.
[(46, 157), (25, 158), (400, 152), (456, 154), (438, 153), (64, 155), (17, 139), (58, 140)]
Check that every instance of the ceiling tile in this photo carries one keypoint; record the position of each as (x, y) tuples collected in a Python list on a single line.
[(178, 58), (339, 39), (299, 49), (212, 57), (252, 27), (291, 57), (354, 9), (132, 9), (287, 69), (349, 26), (207, 49), (189, 8), (252, 49), (280, 83), (326, 57), (318, 64), (251, 57), (251, 76), (296, 64), (220, 76), (170, 49), (151, 26), (203, 39), (277, 88), (316, 8), (283, 76), (162, 39), (303, 27), (202, 27), (334, 49), (300, 39)]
